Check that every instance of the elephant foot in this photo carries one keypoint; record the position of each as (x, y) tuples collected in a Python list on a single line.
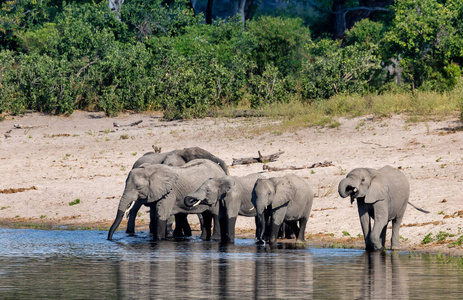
[(395, 248), (216, 237), (131, 234)]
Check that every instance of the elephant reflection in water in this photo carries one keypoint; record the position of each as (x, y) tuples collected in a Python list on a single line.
[(383, 277), (169, 270), (264, 275)]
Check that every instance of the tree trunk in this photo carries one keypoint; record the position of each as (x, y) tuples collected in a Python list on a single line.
[(209, 11), (241, 6), (339, 19), (115, 5)]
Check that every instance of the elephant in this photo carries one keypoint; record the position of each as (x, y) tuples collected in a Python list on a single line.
[(233, 194), (164, 189), (179, 158), (382, 195), (172, 158), (281, 199)]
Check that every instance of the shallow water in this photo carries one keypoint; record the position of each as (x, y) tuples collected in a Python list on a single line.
[(37, 264)]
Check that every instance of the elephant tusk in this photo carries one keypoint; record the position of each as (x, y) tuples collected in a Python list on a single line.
[(127, 211), (251, 208), (355, 190), (197, 203)]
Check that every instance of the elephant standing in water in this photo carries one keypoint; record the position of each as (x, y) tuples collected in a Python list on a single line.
[(164, 189), (381, 195), (281, 199), (234, 197), (172, 158)]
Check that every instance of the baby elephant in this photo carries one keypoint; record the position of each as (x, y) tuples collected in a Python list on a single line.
[(381, 195), (281, 199), (233, 196)]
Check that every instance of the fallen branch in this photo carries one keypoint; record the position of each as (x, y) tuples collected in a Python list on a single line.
[(19, 126), (315, 165), (260, 159), (129, 125), (18, 190)]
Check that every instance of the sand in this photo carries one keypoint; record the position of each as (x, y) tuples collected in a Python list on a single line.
[(51, 162)]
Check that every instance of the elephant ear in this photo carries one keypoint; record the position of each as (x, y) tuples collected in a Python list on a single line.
[(161, 180), (284, 192), (377, 191)]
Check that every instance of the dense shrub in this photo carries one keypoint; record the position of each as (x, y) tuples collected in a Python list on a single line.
[(278, 41), (331, 69), (60, 56), (426, 40)]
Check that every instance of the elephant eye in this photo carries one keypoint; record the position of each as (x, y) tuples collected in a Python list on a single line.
[(363, 179)]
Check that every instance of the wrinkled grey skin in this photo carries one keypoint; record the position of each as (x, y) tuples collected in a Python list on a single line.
[(164, 188), (232, 194), (381, 195), (288, 198), (173, 158), (178, 158)]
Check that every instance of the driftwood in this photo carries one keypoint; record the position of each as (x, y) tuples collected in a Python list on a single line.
[(19, 126), (128, 125), (315, 165), (260, 159)]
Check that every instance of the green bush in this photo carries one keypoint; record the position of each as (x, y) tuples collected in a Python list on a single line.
[(12, 99), (331, 69), (276, 40), (425, 38)]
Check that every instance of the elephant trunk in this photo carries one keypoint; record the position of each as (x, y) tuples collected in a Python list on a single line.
[(191, 201), (260, 227), (116, 223), (346, 188)]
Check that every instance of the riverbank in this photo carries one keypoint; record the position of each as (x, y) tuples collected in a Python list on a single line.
[(71, 171)]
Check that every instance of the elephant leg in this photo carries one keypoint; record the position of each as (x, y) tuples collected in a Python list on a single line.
[(216, 232), (163, 211), (227, 229), (378, 231), (267, 225), (365, 222), (383, 236), (153, 219), (132, 216), (181, 225), (170, 223), (282, 231), (395, 232), (206, 230), (291, 229), (276, 221), (301, 233)]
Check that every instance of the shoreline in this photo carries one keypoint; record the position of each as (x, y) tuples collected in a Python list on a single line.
[(50, 162)]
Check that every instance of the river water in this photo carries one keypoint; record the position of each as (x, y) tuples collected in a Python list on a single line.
[(61, 264)]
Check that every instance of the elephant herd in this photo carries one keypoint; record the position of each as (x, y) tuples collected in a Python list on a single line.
[(194, 181)]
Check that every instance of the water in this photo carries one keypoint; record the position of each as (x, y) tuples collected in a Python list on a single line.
[(36, 264)]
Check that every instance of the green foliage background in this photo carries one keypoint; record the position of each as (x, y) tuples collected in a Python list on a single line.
[(57, 57)]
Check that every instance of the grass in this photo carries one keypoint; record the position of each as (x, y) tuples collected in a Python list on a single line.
[(75, 202), (292, 116)]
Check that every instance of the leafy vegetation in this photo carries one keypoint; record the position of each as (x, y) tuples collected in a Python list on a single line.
[(60, 56)]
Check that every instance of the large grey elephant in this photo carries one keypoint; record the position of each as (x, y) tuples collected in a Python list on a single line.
[(171, 158), (233, 195), (281, 199), (164, 189), (178, 158), (381, 195)]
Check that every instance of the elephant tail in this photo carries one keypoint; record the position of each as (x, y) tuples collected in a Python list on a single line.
[(417, 208)]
